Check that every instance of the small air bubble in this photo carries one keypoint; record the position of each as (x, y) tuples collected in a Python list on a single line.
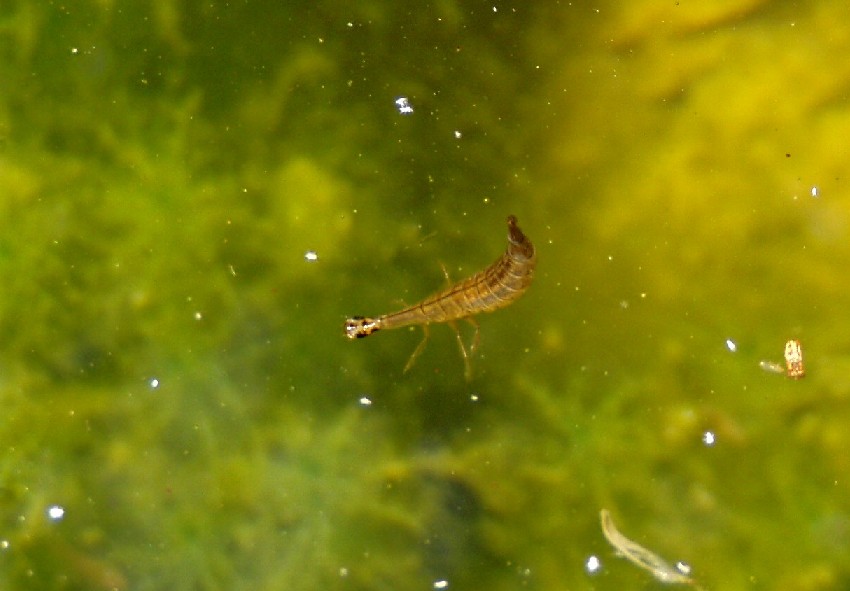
[(55, 512)]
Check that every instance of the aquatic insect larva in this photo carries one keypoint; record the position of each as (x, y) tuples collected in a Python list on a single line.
[(495, 287), (793, 361)]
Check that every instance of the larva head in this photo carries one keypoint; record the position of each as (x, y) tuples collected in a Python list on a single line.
[(358, 327)]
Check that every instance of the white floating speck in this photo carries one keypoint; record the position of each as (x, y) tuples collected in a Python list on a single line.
[(404, 106), (4, 544), (55, 512), (473, 397), (683, 567), (592, 565), (154, 383), (815, 192), (708, 438), (343, 572), (365, 401), (311, 255), (458, 134), (441, 584), (731, 345)]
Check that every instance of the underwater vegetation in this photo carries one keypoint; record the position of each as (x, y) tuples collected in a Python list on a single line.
[(194, 196)]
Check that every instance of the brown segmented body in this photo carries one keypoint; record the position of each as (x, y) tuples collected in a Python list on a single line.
[(495, 287)]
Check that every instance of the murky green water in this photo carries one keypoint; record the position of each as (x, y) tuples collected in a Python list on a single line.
[(181, 410)]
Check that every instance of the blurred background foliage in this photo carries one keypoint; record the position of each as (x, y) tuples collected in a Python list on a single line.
[(173, 374)]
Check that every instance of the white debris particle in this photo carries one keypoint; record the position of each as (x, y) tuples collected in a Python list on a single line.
[(404, 106), (592, 565), (55, 512), (731, 345), (154, 383), (364, 401), (683, 567), (311, 255), (708, 438), (441, 584)]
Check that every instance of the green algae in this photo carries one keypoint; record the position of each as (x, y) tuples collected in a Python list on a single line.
[(173, 372)]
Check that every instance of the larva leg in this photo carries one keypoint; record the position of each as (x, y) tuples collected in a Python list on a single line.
[(418, 350), (476, 338), (446, 274), (467, 362)]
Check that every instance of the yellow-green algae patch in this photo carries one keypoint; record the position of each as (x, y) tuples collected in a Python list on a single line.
[(173, 375)]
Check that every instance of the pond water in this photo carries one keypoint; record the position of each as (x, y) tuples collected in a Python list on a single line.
[(195, 197)]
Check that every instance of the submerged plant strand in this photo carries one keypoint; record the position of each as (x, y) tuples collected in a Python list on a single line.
[(637, 554)]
